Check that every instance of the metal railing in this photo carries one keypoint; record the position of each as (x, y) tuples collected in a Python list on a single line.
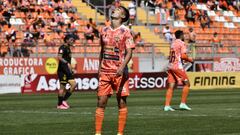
[(197, 51)]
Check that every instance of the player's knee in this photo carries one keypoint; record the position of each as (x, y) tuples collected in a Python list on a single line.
[(62, 86), (187, 83), (102, 102), (122, 103), (60, 92), (73, 85), (171, 85)]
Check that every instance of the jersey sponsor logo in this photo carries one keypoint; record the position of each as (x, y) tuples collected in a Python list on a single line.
[(130, 40), (117, 39), (111, 57)]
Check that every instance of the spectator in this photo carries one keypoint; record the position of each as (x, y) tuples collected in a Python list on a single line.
[(204, 20), (48, 8), (211, 4), (151, 5), (29, 20), (112, 6), (37, 14), (2, 21), (17, 52), (88, 33), (192, 36), (72, 31), (35, 32), (59, 19), (138, 39), (39, 21), (176, 14), (132, 11), (192, 40), (190, 15), (216, 41), (28, 38), (223, 5), (161, 15), (42, 31), (177, 4), (167, 34), (236, 4), (107, 22), (25, 6), (7, 13), (10, 34), (94, 27), (49, 40), (59, 36), (54, 25), (3, 49), (25, 52), (42, 2), (131, 30), (68, 7)]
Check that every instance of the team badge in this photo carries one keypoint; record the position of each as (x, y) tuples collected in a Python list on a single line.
[(117, 39)]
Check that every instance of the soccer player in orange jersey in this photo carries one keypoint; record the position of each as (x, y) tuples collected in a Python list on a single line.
[(176, 71), (116, 51)]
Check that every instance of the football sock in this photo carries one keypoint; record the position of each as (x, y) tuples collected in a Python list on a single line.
[(185, 94), (67, 95), (99, 116), (169, 96), (60, 100), (122, 118)]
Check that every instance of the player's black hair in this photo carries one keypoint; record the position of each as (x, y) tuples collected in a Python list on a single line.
[(178, 34), (67, 37), (126, 12)]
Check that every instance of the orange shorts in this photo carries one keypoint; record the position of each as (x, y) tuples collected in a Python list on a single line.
[(109, 82), (176, 75)]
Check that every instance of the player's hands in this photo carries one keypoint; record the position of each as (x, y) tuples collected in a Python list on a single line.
[(70, 67), (190, 60), (120, 71)]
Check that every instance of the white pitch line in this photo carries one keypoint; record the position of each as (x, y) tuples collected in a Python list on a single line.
[(44, 112), (170, 114)]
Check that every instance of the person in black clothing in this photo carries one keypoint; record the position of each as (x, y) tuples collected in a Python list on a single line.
[(65, 73)]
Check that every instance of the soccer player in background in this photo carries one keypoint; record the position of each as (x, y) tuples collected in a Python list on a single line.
[(116, 51), (176, 72), (65, 73)]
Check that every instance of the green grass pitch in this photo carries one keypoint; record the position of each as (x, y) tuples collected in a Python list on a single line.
[(215, 112)]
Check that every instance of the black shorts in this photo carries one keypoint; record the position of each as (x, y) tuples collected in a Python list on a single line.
[(64, 74)]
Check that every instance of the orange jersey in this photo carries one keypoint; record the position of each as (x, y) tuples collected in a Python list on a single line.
[(178, 48), (114, 44)]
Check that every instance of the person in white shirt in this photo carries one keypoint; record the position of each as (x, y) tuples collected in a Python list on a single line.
[(167, 34), (132, 11)]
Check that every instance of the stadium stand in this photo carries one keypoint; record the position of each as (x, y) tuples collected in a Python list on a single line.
[(36, 17)]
